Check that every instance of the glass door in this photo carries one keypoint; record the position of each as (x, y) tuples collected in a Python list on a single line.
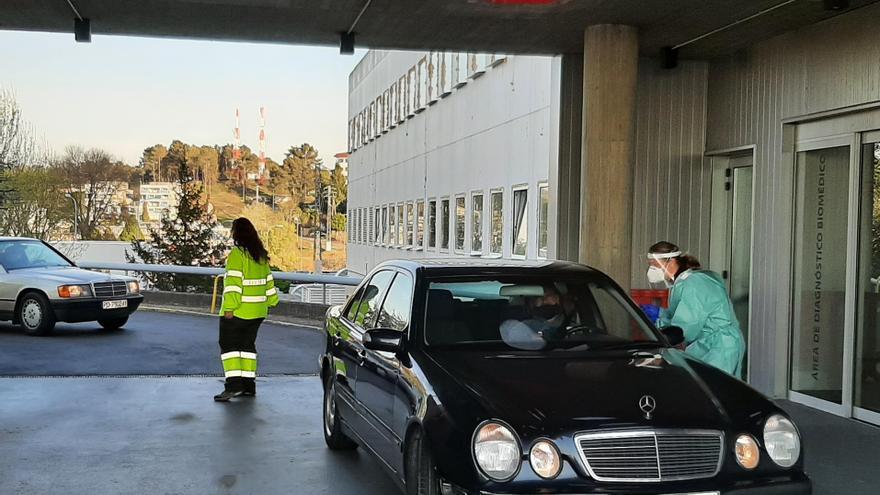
[(866, 380), (740, 242), (820, 316)]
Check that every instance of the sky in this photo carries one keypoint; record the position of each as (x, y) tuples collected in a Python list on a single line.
[(124, 94)]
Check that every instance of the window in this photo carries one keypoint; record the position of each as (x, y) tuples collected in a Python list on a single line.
[(348, 225), (543, 312), (477, 222), (401, 226), (543, 218), (355, 226), (497, 222), (396, 309), (444, 224), (420, 224), (432, 223), (410, 224), (392, 230), (460, 216), (373, 292), (520, 223), (377, 233), (384, 237)]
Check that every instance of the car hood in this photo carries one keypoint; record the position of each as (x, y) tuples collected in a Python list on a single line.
[(64, 275), (580, 391)]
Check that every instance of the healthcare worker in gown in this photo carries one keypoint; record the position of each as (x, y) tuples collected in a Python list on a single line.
[(699, 304)]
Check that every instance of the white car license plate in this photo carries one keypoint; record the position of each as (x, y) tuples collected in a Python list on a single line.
[(115, 304)]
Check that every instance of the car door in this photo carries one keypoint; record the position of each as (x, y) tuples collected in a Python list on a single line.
[(379, 375), (340, 332), (356, 322)]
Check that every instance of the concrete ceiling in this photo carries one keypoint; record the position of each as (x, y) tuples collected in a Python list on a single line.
[(477, 25)]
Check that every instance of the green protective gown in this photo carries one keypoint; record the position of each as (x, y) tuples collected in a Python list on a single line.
[(699, 304)]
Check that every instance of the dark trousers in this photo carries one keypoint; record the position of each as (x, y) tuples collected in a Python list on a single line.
[(238, 352)]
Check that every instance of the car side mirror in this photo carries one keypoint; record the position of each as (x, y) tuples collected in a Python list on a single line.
[(383, 339), (675, 335)]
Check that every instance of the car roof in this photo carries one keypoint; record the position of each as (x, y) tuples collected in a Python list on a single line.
[(464, 266)]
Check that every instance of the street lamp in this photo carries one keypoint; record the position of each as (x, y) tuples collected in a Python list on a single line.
[(75, 214)]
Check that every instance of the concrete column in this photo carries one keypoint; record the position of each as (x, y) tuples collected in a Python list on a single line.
[(611, 57)]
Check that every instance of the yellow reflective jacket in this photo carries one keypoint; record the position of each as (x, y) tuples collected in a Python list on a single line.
[(248, 288)]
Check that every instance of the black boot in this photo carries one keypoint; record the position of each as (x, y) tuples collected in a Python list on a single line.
[(226, 395), (250, 387)]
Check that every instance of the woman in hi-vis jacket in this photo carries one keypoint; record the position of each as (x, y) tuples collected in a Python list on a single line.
[(248, 293)]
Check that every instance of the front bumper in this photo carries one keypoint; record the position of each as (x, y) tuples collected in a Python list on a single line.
[(76, 311), (795, 484)]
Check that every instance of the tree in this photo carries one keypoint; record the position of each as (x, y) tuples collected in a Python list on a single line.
[(145, 214), (38, 206), (151, 162), (298, 173), (131, 231), (93, 178), (187, 240), (18, 146)]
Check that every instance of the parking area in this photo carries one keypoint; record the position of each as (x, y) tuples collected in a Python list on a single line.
[(153, 343), (87, 411)]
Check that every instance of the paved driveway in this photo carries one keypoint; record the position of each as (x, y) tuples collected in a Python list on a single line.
[(153, 343)]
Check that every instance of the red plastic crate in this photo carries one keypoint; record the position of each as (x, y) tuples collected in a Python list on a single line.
[(650, 296)]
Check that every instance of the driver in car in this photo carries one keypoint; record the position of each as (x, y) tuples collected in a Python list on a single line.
[(546, 321)]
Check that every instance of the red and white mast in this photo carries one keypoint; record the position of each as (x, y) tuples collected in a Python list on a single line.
[(262, 170)]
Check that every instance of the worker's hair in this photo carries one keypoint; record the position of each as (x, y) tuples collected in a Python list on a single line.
[(685, 261), (245, 236)]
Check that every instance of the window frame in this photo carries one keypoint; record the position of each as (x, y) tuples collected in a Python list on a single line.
[(543, 185), (500, 252), (477, 225), (401, 227), (444, 224), (513, 190), (419, 238), (431, 232), (459, 249)]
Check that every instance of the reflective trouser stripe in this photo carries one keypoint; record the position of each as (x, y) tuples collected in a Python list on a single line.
[(237, 363)]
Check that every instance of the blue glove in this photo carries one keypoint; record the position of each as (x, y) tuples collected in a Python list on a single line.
[(652, 311)]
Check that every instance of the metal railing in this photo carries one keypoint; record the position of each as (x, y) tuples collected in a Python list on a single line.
[(218, 273)]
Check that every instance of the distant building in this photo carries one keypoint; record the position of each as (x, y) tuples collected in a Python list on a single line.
[(159, 199), (342, 161)]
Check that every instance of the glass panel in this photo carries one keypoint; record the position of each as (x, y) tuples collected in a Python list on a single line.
[(410, 224), (459, 223), (377, 231), (477, 223), (543, 219), (401, 226), (820, 273), (373, 294), (432, 224), (392, 230), (420, 225), (740, 249), (396, 308), (520, 221), (384, 225), (867, 357), (444, 224), (497, 222)]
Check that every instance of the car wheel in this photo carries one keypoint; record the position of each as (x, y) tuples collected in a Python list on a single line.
[(333, 435), (113, 323), (35, 314), (421, 473)]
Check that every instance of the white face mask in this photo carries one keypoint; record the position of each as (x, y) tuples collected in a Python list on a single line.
[(656, 275)]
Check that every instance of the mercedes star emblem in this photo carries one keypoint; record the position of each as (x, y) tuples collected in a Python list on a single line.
[(647, 404)]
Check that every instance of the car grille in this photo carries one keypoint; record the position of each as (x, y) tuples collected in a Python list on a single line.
[(651, 456), (110, 289)]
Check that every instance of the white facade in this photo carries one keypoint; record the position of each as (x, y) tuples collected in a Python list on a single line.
[(160, 198), (452, 131)]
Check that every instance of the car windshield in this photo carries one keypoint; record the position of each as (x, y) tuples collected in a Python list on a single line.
[(533, 314), (16, 255)]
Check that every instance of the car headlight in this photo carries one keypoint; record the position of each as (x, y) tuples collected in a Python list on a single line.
[(545, 460), (747, 453), (497, 451), (134, 287), (71, 291), (782, 441)]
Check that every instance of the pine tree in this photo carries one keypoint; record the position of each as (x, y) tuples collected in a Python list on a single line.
[(186, 240), (132, 231)]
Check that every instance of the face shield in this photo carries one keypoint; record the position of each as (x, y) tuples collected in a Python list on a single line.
[(658, 273)]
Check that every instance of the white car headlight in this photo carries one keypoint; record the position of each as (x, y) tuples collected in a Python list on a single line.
[(544, 458), (497, 451), (134, 287), (782, 441), (74, 291)]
